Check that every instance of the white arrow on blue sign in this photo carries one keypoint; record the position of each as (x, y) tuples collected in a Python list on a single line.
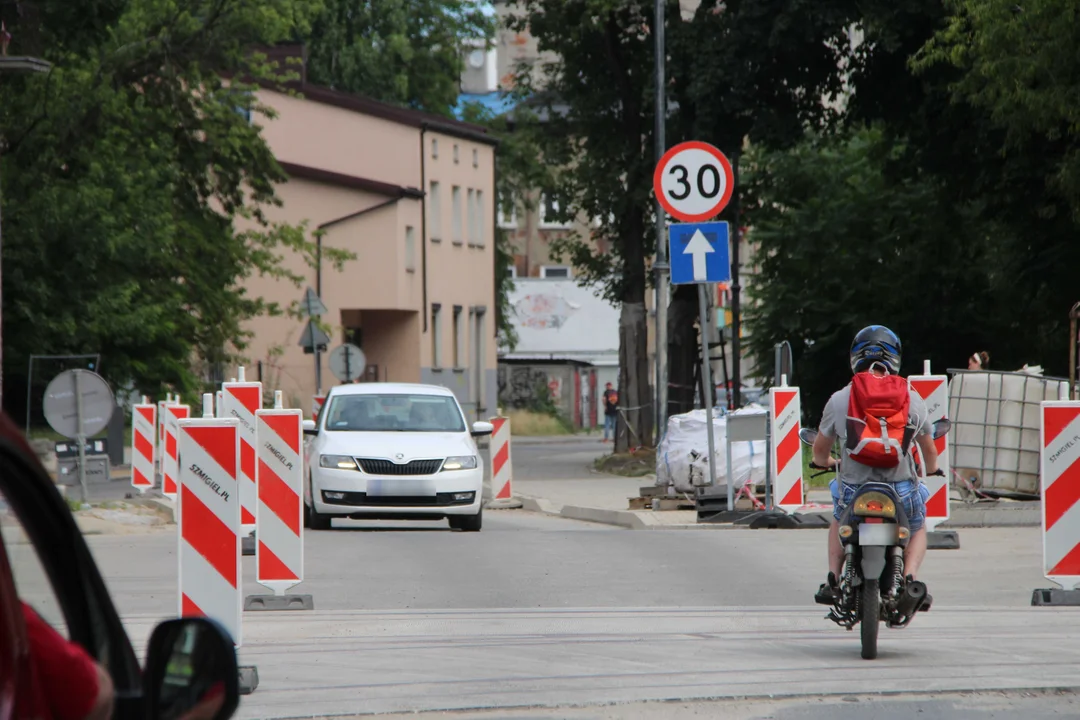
[(699, 253)]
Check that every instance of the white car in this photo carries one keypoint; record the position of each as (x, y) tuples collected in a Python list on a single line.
[(393, 451)]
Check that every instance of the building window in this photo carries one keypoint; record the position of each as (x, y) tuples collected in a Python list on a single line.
[(435, 213), (470, 216), (459, 338), (549, 213), (476, 158), (410, 248), (434, 148), (456, 156), (455, 220), (480, 218), (507, 213), (554, 272), (436, 336)]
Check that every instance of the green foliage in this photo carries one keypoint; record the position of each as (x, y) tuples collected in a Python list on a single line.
[(1019, 64), (843, 244), (133, 183), (407, 52)]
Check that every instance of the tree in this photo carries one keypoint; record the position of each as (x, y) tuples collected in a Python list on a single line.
[(597, 132), (756, 69), (133, 182), (918, 75), (843, 244), (406, 52)]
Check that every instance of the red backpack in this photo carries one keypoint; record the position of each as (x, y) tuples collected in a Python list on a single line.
[(878, 433)]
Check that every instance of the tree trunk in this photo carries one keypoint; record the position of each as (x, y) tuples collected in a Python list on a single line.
[(635, 394), (682, 349)]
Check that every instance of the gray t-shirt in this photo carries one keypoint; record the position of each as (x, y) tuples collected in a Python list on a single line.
[(834, 425)]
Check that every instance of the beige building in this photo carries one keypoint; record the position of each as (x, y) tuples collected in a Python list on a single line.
[(412, 197)]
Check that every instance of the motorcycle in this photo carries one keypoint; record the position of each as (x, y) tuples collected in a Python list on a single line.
[(874, 531)]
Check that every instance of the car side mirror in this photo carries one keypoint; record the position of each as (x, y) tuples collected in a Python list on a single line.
[(191, 671), (482, 428), (309, 428)]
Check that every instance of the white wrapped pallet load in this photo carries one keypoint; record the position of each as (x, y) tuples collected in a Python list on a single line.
[(682, 453)]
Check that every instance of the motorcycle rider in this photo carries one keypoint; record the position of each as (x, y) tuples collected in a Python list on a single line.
[(875, 349)]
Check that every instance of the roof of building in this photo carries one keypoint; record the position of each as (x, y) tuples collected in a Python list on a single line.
[(282, 54)]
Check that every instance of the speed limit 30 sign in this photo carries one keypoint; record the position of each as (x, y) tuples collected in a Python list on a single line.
[(693, 181)]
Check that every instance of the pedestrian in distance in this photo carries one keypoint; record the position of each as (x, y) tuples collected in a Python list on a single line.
[(611, 411), (979, 361)]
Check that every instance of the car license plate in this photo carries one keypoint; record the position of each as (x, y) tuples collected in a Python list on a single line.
[(377, 487)]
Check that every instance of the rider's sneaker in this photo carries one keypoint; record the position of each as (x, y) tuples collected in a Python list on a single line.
[(829, 592)]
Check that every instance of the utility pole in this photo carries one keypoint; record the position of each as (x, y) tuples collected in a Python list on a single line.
[(736, 319), (660, 266)]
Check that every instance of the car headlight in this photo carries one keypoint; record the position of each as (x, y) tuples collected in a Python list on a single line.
[(338, 462), (462, 462)]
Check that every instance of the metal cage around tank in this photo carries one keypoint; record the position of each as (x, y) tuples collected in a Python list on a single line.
[(995, 432)]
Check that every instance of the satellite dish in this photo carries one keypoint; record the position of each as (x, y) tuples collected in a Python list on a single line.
[(62, 410)]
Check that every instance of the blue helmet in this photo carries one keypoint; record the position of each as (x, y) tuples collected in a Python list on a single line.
[(875, 344)]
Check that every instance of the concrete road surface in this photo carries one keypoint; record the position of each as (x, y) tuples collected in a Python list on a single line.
[(545, 612)]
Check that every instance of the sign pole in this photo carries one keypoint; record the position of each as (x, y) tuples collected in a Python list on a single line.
[(661, 265), (706, 374), (80, 436)]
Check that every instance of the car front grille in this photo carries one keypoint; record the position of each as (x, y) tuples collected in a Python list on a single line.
[(376, 466)]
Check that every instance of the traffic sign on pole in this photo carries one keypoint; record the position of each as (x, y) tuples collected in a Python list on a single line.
[(693, 181), (699, 253)]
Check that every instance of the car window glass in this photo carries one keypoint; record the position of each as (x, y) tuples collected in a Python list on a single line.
[(395, 413), (31, 581)]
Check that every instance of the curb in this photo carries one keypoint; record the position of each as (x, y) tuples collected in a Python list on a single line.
[(1025, 515)]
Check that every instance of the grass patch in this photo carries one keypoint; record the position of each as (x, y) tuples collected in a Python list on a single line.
[(635, 464), (526, 422)]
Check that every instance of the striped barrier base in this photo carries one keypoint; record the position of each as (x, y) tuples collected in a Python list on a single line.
[(502, 494)]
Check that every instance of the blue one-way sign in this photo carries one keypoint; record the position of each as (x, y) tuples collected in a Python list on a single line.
[(699, 253)]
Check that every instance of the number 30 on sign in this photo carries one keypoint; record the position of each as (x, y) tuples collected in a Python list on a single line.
[(693, 181)]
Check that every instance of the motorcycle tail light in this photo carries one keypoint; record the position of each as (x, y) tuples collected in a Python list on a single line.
[(875, 504)]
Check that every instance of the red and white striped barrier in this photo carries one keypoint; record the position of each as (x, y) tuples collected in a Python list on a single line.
[(316, 405), (1059, 468), (143, 444), (785, 413), (208, 519), (501, 467), (279, 550), (934, 389), (240, 400), (169, 461)]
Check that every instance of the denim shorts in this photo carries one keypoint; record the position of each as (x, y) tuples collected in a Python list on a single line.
[(914, 502)]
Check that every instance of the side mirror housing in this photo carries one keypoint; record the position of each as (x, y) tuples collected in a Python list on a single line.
[(482, 428), (191, 670), (942, 427), (309, 428)]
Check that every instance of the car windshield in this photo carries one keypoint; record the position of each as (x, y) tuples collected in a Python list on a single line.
[(395, 413)]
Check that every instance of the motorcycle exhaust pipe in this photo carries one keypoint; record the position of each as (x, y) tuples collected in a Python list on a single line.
[(911, 599)]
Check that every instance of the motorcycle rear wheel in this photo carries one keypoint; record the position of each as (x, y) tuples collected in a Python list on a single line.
[(871, 613)]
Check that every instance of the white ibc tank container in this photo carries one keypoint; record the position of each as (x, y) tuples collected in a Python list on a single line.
[(995, 429)]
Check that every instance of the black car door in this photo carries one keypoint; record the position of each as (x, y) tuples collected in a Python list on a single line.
[(33, 511)]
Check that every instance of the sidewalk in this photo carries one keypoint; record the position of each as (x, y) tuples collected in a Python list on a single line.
[(605, 499)]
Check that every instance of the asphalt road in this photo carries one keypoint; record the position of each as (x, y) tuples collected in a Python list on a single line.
[(556, 458), (542, 617)]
